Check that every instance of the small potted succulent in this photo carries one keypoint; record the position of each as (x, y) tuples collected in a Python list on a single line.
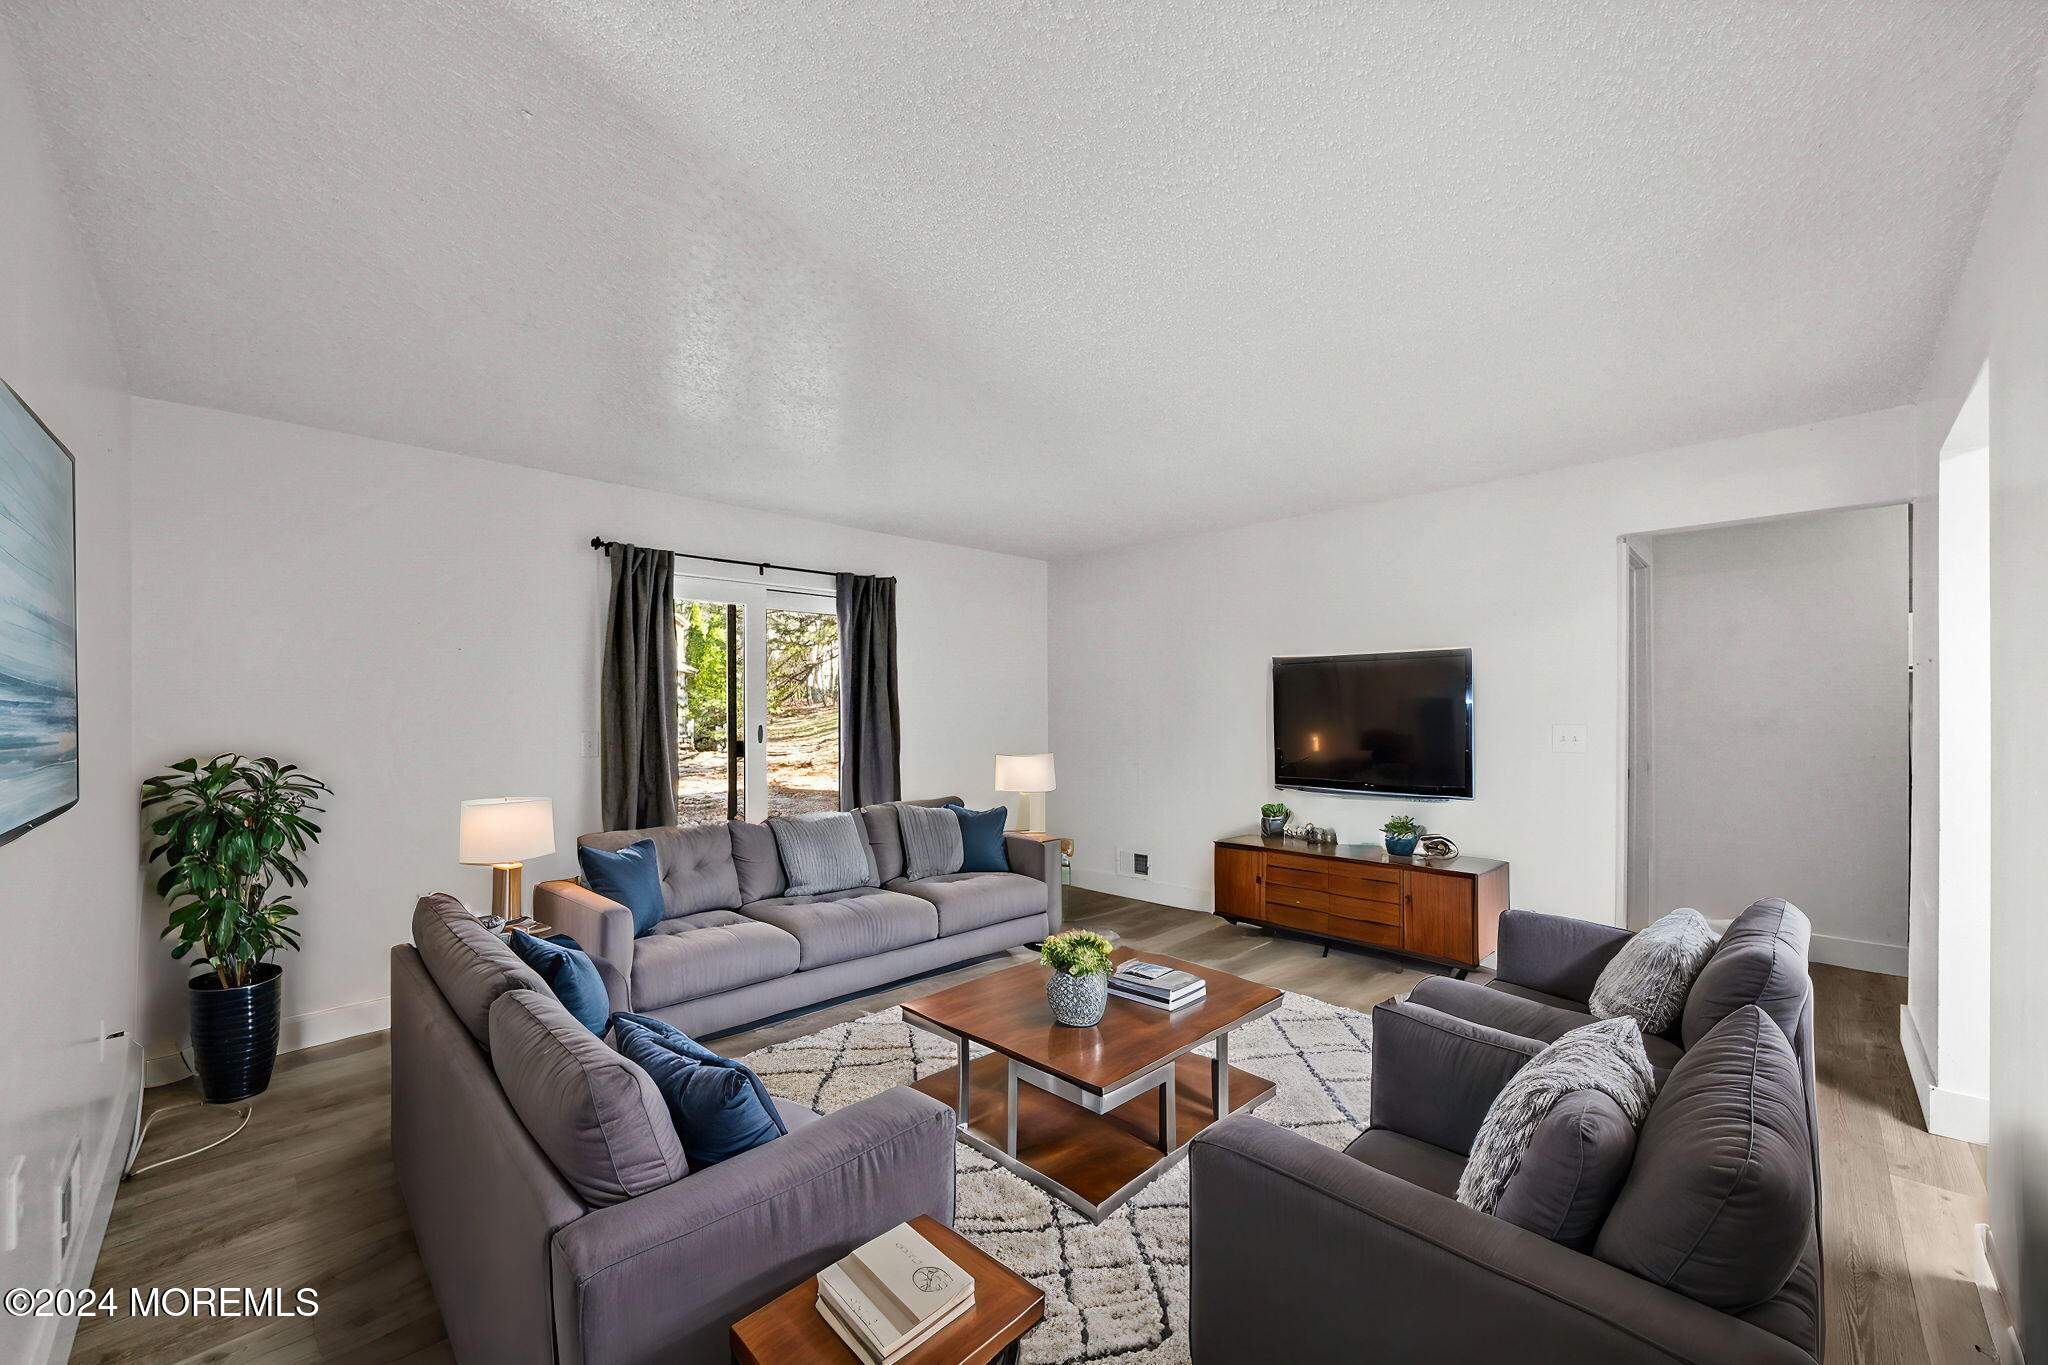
[(1078, 989), (1272, 818), (1402, 831)]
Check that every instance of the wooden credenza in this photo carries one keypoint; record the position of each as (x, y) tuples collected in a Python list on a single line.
[(1446, 910)]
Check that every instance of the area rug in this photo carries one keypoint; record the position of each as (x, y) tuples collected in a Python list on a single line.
[(1117, 1291)]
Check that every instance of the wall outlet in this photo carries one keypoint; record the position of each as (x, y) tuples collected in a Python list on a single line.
[(68, 1192), (1133, 864), (1567, 739), (10, 1205)]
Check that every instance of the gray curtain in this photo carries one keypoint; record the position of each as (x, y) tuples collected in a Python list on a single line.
[(870, 767), (638, 703)]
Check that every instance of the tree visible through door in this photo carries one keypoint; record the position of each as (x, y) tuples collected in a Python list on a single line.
[(725, 680)]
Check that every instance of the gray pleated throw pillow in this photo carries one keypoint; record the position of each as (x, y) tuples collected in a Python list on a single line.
[(931, 840), (1650, 977), (1606, 1057), (823, 851)]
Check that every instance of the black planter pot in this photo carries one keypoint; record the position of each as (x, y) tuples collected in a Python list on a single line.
[(234, 1033)]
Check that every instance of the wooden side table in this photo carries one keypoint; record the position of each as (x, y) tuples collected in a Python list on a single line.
[(788, 1331), (1066, 847)]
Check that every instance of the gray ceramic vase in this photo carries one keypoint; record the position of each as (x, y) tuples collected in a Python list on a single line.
[(1077, 1001)]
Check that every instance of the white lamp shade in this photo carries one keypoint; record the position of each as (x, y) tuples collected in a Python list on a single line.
[(1024, 773), (506, 829)]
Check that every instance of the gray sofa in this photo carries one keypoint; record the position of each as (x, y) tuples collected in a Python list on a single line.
[(554, 1237), (733, 948), (1301, 1252)]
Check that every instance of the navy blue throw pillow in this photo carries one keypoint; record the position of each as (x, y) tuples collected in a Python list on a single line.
[(981, 839), (570, 974), (631, 876), (720, 1107)]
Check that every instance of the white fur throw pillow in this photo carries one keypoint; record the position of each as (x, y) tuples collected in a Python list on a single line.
[(1607, 1056), (1650, 977)]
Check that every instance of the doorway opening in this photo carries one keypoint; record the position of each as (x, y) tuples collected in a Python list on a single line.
[(1769, 715)]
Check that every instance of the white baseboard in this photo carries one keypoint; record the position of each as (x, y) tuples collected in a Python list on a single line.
[(299, 1031), (1991, 1295), (1888, 958), (1141, 888), (1948, 1113)]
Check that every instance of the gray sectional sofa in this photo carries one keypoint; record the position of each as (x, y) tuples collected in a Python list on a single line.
[(548, 1192), (733, 948), (1709, 1251)]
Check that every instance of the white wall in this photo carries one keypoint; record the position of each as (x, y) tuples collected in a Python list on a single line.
[(1779, 724), (2001, 311), (418, 628), (67, 890), (1945, 1025), (1160, 652)]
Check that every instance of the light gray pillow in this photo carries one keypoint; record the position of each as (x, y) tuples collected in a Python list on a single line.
[(1650, 977), (470, 964), (599, 1117), (1606, 1056), (931, 841), (823, 851)]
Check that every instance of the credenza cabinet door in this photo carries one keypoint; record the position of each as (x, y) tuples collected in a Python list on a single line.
[(1436, 919), (1239, 881)]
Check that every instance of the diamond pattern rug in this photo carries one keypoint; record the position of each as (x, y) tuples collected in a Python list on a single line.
[(1117, 1291)]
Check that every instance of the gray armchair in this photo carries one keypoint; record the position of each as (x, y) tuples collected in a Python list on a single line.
[(1300, 1252), (1304, 1253)]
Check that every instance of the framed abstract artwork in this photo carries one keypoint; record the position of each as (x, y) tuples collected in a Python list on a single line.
[(38, 623)]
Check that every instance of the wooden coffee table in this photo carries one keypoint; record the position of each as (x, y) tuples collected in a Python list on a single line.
[(788, 1331), (1092, 1115)]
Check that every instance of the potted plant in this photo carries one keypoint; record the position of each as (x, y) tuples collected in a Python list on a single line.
[(1078, 990), (230, 830), (1272, 818), (1402, 831)]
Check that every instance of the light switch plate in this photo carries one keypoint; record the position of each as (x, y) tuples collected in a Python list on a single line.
[(1567, 739)]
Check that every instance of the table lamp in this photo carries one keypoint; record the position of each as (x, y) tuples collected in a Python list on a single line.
[(502, 832), (1030, 776)]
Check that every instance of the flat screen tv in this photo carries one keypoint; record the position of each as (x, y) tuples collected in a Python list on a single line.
[(1375, 724), (38, 624)]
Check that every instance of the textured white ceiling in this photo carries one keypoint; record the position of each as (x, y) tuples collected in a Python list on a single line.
[(1035, 276)]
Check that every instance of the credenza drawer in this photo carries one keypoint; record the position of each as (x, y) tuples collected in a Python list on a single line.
[(1299, 862), (1287, 917), (1366, 883), (1305, 878), (1379, 935), (1371, 912), (1296, 896)]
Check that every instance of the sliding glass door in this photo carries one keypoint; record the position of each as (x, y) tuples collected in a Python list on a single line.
[(757, 699)]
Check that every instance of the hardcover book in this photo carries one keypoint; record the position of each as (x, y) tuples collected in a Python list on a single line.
[(888, 1295)]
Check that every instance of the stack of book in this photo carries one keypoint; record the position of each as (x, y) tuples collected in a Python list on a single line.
[(886, 1298), (1161, 987)]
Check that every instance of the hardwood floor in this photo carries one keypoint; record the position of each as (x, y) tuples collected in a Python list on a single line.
[(305, 1196)]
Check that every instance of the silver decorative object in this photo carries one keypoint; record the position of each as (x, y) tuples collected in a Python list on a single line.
[(1435, 846), (1077, 1001)]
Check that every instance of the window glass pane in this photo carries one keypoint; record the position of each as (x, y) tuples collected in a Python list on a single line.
[(803, 711), (710, 704)]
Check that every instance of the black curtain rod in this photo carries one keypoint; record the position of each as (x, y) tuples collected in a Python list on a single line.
[(761, 566)]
